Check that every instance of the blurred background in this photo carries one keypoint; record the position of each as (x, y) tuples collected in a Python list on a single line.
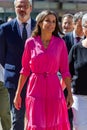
[(60, 6)]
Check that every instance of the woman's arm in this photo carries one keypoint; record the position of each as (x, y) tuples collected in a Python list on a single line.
[(69, 98), (17, 99)]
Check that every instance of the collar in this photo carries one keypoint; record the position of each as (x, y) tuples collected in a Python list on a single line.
[(20, 23), (75, 35)]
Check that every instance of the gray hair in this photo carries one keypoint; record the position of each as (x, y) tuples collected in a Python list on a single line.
[(84, 19), (67, 15), (77, 16), (30, 1)]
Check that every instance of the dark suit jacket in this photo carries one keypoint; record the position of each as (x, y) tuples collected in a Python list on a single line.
[(69, 40), (11, 49)]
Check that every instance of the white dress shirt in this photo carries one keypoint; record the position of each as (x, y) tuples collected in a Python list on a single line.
[(74, 35), (28, 27)]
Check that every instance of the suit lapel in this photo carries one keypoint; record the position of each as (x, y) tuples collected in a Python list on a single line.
[(33, 22), (72, 39), (16, 31), (16, 28)]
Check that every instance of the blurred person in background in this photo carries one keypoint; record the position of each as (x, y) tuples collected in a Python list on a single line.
[(78, 70), (76, 35), (72, 38), (67, 26), (5, 116), (9, 18), (12, 40), (67, 23), (1, 21)]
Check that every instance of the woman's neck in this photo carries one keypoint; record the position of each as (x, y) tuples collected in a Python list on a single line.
[(45, 37), (46, 40)]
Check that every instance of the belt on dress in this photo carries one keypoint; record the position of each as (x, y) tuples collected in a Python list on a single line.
[(45, 74)]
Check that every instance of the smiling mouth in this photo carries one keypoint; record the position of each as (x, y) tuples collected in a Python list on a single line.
[(23, 14)]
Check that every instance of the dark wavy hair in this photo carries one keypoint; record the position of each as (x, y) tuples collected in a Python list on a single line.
[(40, 17)]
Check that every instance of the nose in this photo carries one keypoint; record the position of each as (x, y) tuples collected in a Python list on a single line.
[(22, 8), (51, 22), (67, 24)]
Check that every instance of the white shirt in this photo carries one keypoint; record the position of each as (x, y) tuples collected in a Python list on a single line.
[(74, 35), (28, 27), (1, 73)]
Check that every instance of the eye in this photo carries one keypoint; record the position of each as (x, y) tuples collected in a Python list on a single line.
[(54, 21), (24, 7), (49, 21)]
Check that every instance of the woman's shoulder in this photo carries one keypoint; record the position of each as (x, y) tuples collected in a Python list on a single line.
[(59, 42), (31, 41), (58, 38)]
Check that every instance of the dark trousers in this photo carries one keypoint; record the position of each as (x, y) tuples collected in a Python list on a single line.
[(70, 113), (17, 115)]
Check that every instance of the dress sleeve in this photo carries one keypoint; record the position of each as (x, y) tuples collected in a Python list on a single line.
[(64, 62), (26, 57)]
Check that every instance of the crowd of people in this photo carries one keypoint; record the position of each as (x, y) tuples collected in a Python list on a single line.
[(35, 56)]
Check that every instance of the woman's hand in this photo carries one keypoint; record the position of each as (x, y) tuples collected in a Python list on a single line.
[(69, 100), (18, 99), (17, 102)]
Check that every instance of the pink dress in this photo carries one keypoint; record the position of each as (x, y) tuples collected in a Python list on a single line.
[(45, 103)]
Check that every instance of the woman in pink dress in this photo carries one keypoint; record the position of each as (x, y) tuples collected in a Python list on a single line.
[(44, 55)]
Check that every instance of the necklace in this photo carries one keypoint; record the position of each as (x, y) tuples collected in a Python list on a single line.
[(46, 43)]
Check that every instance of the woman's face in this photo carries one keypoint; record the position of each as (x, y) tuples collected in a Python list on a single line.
[(48, 24)]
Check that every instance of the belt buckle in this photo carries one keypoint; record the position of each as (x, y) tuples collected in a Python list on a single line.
[(45, 74)]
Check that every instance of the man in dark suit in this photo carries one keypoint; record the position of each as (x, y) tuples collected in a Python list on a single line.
[(72, 38), (67, 23), (11, 49)]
